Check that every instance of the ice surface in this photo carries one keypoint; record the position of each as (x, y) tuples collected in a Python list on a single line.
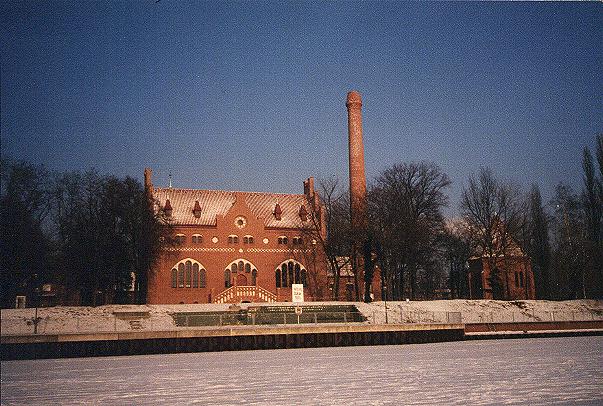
[(527, 371)]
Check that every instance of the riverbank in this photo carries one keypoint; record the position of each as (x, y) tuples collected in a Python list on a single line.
[(123, 318), (129, 330)]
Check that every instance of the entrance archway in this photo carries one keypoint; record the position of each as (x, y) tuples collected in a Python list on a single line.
[(240, 273), (241, 280)]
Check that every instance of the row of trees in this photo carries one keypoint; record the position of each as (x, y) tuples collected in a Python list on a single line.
[(420, 253), (95, 235), (91, 234)]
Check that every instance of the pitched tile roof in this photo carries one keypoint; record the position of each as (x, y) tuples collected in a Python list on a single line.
[(219, 202)]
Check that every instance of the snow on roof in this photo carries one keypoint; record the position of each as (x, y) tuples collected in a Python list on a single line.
[(218, 202)]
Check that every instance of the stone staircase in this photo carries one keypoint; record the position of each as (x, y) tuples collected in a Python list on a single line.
[(236, 294)]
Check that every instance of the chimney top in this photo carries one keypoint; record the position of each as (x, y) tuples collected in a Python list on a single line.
[(354, 98)]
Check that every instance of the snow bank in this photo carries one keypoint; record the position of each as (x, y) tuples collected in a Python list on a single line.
[(55, 320)]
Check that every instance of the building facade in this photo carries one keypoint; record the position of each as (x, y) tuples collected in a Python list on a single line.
[(238, 246), (515, 276)]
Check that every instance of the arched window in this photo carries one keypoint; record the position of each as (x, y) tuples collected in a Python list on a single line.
[(187, 274), (284, 269), (241, 267), (180, 275), (247, 267), (227, 278), (202, 278), (290, 268), (290, 272), (180, 238), (297, 241), (282, 240), (254, 277), (174, 278), (197, 239), (233, 239), (233, 268), (195, 275), (248, 239), (189, 269)]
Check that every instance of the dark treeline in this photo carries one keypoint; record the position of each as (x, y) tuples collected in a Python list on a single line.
[(96, 236), (92, 235), (422, 255)]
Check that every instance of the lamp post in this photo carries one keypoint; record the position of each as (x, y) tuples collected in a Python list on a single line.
[(36, 298)]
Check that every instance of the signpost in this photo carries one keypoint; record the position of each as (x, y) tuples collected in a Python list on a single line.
[(297, 293)]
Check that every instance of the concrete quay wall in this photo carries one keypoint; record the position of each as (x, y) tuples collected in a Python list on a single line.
[(234, 338), (222, 339)]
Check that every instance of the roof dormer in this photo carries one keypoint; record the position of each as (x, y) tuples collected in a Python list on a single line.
[(278, 212), (167, 208), (197, 209)]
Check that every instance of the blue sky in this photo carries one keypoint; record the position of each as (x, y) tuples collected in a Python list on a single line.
[(251, 95)]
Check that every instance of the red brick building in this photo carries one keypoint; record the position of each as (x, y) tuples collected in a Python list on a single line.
[(238, 246), (515, 275)]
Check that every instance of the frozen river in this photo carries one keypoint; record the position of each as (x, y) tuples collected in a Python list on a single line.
[(528, 371)]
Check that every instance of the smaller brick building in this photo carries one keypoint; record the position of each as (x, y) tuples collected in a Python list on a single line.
[(515, 275)]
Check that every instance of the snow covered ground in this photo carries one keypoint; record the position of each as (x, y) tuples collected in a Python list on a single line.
[(96, 319), (529, 371)]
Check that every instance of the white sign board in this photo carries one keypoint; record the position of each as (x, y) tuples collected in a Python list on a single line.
[(297, 293)]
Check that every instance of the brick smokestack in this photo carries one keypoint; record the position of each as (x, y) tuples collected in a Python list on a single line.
[(148, 182), (356, 149)]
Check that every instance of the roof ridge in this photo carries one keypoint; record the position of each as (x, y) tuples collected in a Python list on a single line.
[(225, 191)]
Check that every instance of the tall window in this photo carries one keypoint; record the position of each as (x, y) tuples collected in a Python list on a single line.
[(254, 277), (181, 275), (290, 272), (189, 269), (227, 278), (195, 275), (284, 283), (174, 278), (187, 273), (202, 278)]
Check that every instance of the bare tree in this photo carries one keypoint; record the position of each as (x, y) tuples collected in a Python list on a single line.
[(572, 259), (25, 245), (538, 246), (493, 213), (591, 196), (457, 250), (326, 232), (405, 211)]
